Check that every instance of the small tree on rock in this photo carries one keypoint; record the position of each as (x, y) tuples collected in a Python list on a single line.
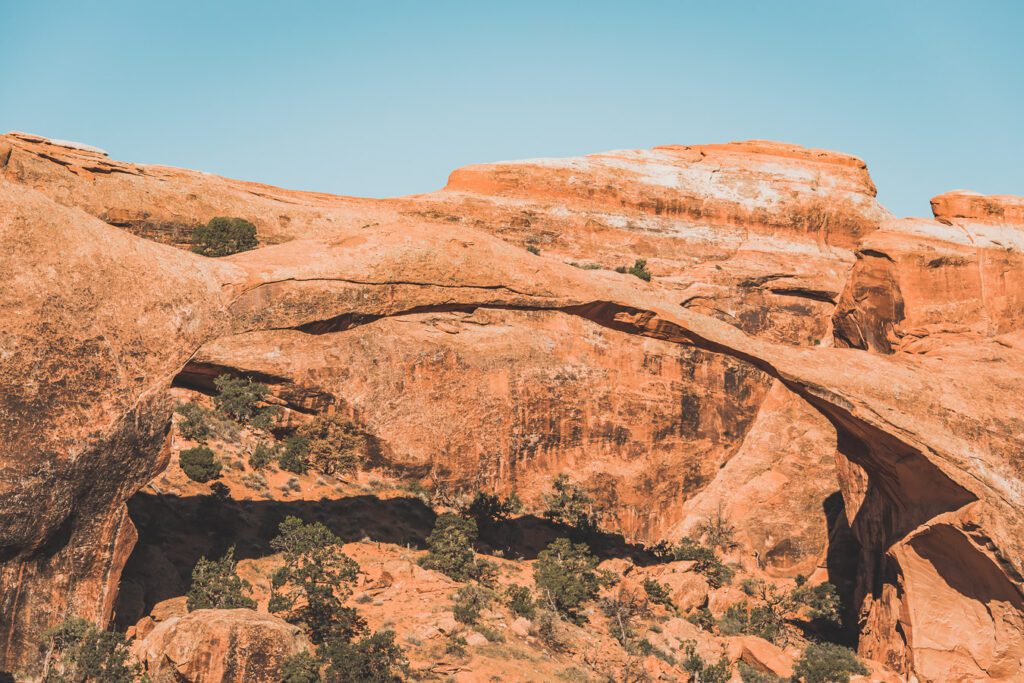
[(195, 422), (570, 505), (311, 586), (224, 236), (215, 585), (198, 464), (827, 663), (328, 444), (239, 398), (450, 547), (76, 651), (374, 659), (566, 574), (301, 668), (489, 510)]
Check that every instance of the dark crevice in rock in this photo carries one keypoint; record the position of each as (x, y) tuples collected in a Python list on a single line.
[(812, 294)]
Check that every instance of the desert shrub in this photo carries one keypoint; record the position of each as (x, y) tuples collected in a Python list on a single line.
[(329, 444), (262, 455), (638, 269), (198, 464), (705, 561), (293, 458), (489, 509), (520, 601), (76, 651), (623, 609), (455, 644), (719, 672), (717, 532), (224, 236), (374, 659), (827, 663), (311, 586), (764, 620), (469, 601), (703, 618), (220, 491), (195, 422), (255, 480), (450, 547), (215, 585), (658, 593), (751, 674), (300, 668), (566, 574), (570, 505), (821, 601), (533, 249), (239, 398)]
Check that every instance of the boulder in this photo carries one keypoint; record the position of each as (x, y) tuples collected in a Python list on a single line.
[(762, 655), (213, 646)]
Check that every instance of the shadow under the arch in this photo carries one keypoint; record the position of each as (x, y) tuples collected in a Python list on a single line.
[(175, 531)]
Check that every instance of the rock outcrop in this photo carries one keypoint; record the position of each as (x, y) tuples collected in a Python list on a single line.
[(363, 301), (219, 646), (921, 284)]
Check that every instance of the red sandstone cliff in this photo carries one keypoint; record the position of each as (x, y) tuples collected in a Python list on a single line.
[(467, 357)]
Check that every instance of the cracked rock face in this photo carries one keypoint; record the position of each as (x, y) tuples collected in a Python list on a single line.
[(714, 385), (211, 646)]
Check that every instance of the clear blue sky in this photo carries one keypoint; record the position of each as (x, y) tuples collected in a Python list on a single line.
[(382, 98)]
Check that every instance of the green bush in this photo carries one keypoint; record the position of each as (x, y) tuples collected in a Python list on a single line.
[(455, 645), (468, 602), (76, 651), (195, 422), (751, 674), (720, 672), (705, 561), (764, 621), (328, 444), (533, 249), (638, 269), (198, 464), (450, 547), (262, 455), (376, 659), (300, 668), (566, 574), (717, 532), (658, 593), (520, 601), (215, 585), (623, 609), (311, 587), (703, 618), (239, 398), (570, 505), (827, 663), (488, 509), (293, 458), (822, 602), (224, 236)]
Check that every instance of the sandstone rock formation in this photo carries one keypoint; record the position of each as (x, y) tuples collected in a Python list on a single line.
[(210, 646), (757, 250)]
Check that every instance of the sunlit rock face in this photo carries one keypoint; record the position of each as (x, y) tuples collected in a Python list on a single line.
[(892, 463)]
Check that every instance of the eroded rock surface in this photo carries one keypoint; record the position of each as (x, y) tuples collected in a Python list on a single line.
[(215, 646)]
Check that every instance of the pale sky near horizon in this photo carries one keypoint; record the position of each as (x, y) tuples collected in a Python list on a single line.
[(386, 98)]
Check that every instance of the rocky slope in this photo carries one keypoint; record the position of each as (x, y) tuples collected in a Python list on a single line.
[(473, 362)]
